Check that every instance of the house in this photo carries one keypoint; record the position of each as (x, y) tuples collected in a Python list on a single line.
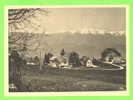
[(112, 58), (111, 55)]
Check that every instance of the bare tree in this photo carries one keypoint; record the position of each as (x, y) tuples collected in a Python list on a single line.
[(19, 17)]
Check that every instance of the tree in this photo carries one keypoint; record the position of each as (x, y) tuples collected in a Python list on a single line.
[(23, 14), (36, 60), (74, 59), (18, 19), (15, 68), (111, 52), (62, 52)]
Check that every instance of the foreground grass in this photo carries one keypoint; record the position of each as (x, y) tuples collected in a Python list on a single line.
[(53, 79)]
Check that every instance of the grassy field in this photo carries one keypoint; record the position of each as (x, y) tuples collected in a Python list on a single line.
[(54, 79)]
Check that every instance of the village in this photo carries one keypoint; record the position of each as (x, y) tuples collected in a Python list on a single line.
[(109, 56), (110, 60)]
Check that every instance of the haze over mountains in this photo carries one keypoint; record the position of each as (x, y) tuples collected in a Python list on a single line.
[(88, 31), (85, 44)]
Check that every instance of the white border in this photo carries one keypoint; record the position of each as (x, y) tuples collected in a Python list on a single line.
[(79, 93)]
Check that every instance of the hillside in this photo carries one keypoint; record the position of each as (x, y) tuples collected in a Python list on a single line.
[(84, 44)]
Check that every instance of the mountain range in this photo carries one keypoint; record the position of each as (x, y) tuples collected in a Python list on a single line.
[(84, 44)]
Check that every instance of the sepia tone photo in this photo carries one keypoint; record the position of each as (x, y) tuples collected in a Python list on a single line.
[(67, 49)]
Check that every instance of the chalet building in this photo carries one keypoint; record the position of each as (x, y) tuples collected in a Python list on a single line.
[(112, 58)]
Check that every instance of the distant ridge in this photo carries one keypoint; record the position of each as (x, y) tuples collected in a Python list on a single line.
[(89, 31), (85, 44)]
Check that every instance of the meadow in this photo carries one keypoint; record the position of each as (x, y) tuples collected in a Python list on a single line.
[(58, 80)]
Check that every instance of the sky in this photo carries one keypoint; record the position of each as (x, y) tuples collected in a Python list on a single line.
[(59, 19)]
